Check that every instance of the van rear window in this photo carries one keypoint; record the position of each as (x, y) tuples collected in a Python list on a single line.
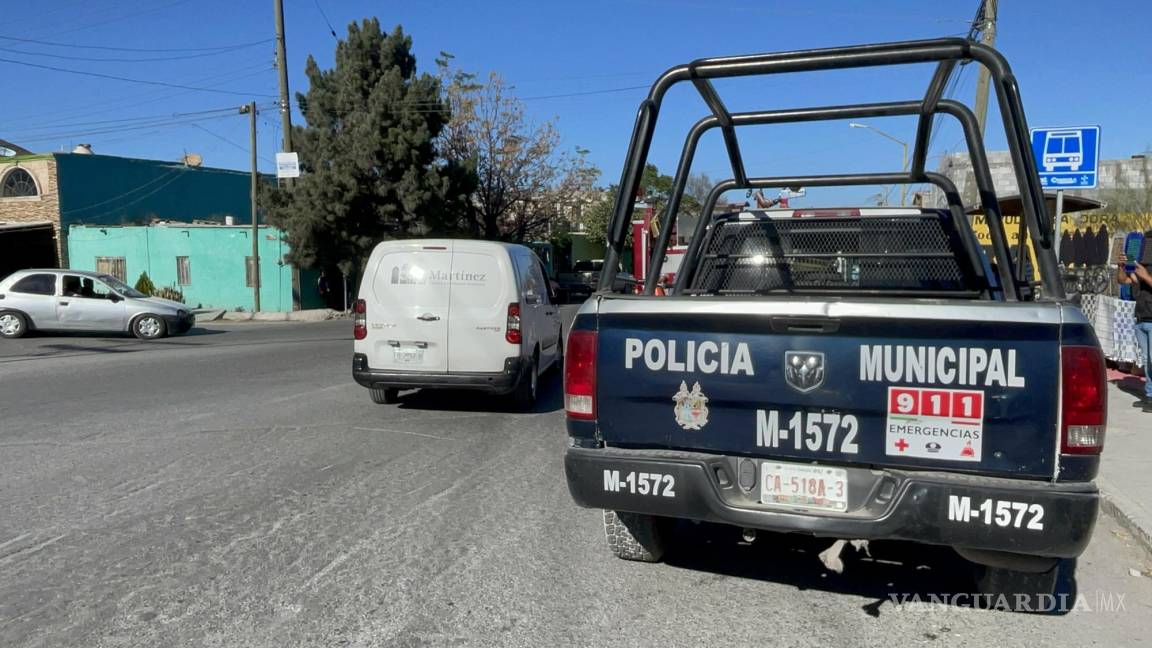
[(476, 280), (413, 278)]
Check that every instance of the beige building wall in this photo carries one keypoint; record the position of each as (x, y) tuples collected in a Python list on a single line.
[(42, 208)]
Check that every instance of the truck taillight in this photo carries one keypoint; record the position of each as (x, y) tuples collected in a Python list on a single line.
[(512, 331), (1083, 400), (580, 375), (360, 322)]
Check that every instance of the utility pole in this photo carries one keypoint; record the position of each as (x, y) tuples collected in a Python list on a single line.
[(250, 109), (985, 25), (282, 64)]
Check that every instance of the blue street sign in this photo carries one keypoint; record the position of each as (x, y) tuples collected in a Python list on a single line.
[(1067, 158)]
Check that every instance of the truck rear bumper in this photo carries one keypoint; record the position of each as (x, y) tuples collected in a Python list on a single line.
[(500, 382), (1043, 519)]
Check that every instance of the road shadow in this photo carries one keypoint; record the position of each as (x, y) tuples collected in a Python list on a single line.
[(118, 337), (893, 574), (1130, 385), (549, 399), (196, 331)]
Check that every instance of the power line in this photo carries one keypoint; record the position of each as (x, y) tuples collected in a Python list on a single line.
[(326, 21), (170, 175), (134, 100), (124, 17), (104, 59), (583, 94), (137, 49), (228, 141), (129, 80), (104, 131), (129, 120)]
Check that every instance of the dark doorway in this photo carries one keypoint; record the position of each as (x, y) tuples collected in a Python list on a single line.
[(27, 246)]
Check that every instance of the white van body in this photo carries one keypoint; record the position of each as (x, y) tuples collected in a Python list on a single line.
[(436, 313)]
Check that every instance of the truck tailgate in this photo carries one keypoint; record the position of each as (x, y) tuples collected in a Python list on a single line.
[(968, 387)]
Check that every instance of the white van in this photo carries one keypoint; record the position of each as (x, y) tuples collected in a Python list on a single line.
[(454, 314)]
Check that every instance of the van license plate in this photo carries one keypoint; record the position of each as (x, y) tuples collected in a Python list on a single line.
[(804, 486), (408, 355)]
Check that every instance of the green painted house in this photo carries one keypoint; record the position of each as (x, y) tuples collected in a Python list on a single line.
[(210, 264)]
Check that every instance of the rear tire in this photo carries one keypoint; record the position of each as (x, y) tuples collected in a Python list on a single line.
[(525, 395), (634, 536), (1020, 591), (13, 325), (384, 395)]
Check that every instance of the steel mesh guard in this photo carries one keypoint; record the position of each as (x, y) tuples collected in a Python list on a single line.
[(890, 253)]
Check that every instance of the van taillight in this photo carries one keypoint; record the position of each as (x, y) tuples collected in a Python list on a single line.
[(360, 322), (1083, 400), (512, 331), (580, 375)]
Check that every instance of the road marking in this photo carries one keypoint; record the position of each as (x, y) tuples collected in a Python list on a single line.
[(307, 393), (26, 551), (419, 434)]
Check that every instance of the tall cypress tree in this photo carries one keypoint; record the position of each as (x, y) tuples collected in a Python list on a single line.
[(370, 168)]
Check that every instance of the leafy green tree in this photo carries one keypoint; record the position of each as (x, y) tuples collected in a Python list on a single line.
[(144, 284), (370, 166), (656, 190), (526, 185)]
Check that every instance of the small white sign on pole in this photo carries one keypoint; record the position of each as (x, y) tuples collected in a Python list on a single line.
[(287, 165)]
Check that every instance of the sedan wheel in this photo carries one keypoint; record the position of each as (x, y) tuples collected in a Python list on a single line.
[(149, 327), (13, 325)]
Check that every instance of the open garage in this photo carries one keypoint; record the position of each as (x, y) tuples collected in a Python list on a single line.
[(27, 245)]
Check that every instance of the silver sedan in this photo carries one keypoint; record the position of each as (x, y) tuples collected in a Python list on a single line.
[(76, 300)]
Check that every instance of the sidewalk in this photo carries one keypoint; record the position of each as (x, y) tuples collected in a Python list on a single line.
[(313, 315), (1125, 478)]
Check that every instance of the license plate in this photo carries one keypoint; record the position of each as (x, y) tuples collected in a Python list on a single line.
[(408, 355), (804, 486)]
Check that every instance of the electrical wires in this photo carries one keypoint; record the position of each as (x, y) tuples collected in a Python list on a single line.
[(130, 80)]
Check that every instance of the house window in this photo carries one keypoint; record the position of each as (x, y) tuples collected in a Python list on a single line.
[(114, 266), (250, 271), (183, 271), (18, 183)]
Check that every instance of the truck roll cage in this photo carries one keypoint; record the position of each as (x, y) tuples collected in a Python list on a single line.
[(946, 52)]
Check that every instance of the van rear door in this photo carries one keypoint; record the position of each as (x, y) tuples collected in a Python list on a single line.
[(408, 309), (482, 289)]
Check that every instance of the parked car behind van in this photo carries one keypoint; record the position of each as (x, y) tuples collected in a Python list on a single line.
[(454, 314)]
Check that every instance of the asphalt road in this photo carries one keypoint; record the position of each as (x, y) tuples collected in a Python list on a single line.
[(235, 488)]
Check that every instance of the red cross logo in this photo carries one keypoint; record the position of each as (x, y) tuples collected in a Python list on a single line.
[(901, 445)]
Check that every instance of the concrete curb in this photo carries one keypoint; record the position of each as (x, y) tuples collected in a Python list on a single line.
[(1112, 507), (1125, 482), (208, 315), (312, 315)]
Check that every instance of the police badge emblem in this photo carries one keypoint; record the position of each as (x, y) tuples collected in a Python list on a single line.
[(691, 407)]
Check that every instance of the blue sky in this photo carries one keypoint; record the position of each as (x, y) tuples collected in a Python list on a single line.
[(1077, 64)]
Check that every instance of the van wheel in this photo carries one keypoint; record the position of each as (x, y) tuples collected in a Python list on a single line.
[(384, 395), (526, 391), (1021, 591), (634, 536), (13, 325)]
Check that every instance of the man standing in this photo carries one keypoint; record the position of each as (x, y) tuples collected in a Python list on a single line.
[(324, 290), (1140, 282)]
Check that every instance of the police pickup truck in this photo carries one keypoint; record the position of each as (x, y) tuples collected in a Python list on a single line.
[(845, 373)]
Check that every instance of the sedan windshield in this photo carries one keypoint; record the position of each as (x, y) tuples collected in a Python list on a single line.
[(121, 287)]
